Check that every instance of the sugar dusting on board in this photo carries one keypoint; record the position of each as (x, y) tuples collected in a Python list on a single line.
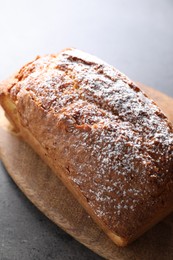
[(120, 143)]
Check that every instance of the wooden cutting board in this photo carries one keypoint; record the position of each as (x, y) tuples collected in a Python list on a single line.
[(48, 194)]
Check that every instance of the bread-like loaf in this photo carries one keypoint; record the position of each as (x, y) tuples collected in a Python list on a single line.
[(103, 137)]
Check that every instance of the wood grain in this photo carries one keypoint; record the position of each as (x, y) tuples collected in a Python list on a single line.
[(48, 194)]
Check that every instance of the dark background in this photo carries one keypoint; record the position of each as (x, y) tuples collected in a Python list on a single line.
[(135, 36)]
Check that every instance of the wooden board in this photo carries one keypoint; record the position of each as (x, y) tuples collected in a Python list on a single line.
[(47, 193)]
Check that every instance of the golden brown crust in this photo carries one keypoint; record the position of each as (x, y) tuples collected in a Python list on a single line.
[(110, 143)]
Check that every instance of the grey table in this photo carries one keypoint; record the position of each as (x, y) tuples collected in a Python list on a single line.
[(135, 36)]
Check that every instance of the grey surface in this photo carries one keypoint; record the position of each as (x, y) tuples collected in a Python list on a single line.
[(135, 36)]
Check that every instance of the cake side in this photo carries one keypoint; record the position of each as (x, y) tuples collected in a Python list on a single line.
[(114, 144)]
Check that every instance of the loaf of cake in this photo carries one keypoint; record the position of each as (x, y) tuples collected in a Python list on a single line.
[(108, 142)]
